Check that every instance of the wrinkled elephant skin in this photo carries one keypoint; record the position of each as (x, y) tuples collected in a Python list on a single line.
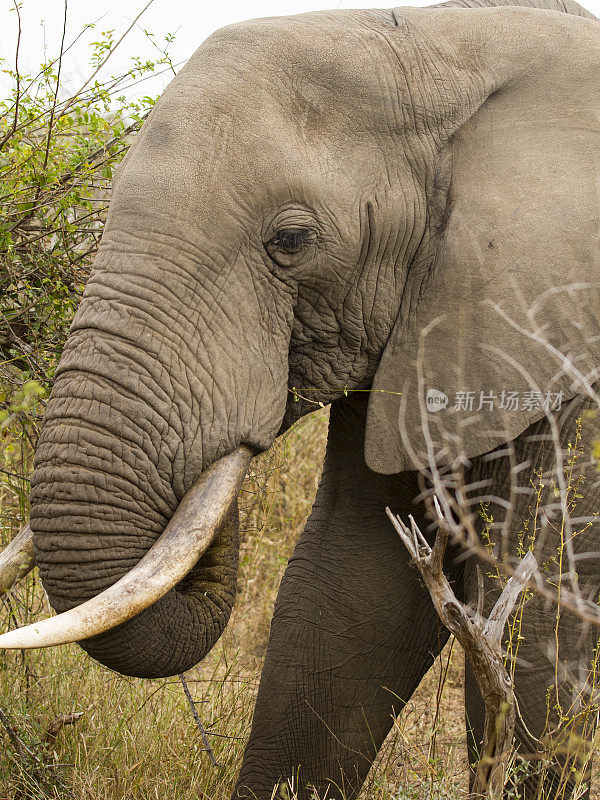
[(395, 200)]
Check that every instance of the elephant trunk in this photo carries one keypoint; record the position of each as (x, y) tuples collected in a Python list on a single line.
[(103, 492), (176, 359), (204, 511)]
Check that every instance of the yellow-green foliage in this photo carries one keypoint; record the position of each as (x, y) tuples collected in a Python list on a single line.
[(58, 153)]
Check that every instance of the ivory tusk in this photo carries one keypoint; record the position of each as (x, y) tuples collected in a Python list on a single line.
[(188, 535), (16, 559)]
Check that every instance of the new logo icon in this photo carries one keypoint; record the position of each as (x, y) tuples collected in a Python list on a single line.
[(435, 400)]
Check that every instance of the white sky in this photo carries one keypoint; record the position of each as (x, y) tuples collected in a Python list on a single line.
[(192, 22)]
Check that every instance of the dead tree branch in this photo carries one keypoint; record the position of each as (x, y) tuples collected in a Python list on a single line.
[(482, 643), (18, 746)]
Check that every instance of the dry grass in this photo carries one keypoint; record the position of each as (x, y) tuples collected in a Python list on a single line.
[(137, 739)]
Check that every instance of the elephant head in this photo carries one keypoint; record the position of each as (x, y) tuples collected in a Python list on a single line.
[(312, 201)]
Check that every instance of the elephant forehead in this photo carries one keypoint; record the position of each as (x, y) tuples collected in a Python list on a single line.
[(315, 65), (198, 158), (231, 169)]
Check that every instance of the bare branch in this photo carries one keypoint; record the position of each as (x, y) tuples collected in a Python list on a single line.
[(494, 627), (72, 99), (198, 721), (13, 127), (56, 88), (59, 723), (481, 642)]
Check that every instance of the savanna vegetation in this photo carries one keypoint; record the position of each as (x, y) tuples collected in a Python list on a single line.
[(69, 728)]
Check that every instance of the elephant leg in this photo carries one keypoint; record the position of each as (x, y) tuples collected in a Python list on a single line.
[(553, 651), (352, 635)]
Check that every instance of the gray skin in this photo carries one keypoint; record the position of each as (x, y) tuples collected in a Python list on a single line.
[(276, 214)]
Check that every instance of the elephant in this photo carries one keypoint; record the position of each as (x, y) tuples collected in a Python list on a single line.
[(394, 212)]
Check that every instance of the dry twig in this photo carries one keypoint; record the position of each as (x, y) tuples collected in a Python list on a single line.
[(198, 721), (18, 746), (482, 643), (60, 722)]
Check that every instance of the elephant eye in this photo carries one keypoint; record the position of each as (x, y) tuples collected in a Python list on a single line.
[(289, 242)]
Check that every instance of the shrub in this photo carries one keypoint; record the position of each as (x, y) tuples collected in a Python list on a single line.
[(58, 154)]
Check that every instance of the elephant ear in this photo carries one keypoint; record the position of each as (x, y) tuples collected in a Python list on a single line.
[(501, 320)]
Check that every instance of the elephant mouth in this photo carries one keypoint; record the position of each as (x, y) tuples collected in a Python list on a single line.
[(190, 532)]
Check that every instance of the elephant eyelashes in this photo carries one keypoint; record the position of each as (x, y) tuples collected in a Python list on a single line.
[(289, 242)]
